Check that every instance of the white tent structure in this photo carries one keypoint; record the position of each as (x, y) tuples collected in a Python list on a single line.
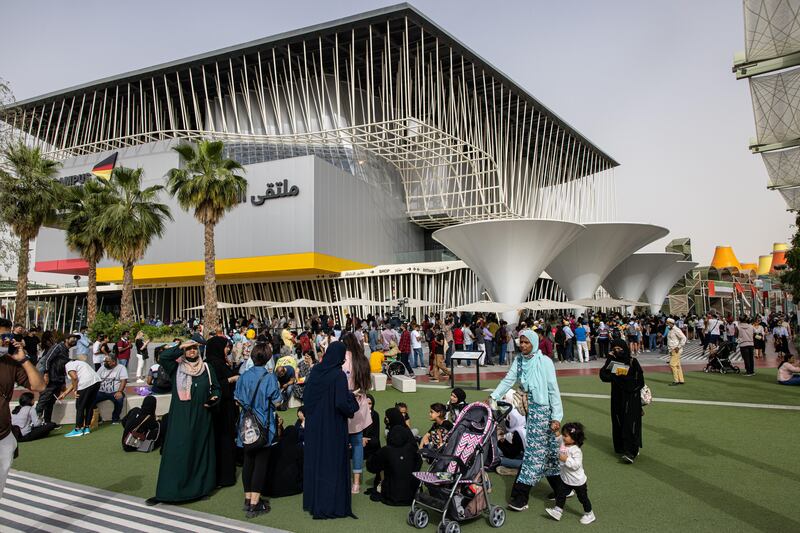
[(302, 303), (484, 306), (355, 302), (220, 305), (632, 276), (508, 255), (256, 303), (549, 305), (410, 302), (664, 280), (582, 266), (607, 303)]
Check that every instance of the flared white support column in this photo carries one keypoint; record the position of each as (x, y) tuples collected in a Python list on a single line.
[(584, 264), (633, 275), (508, 255), (663, 281)]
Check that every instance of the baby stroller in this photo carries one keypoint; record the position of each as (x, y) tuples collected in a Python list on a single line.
[(719, 359), (456, 484)]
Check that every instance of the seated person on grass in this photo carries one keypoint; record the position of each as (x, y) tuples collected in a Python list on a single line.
[(26, 421), (142, 432), (394, 464), (511, 440), (372, 433), (286, 380), (434, 438), (403, 408), (788, 370)]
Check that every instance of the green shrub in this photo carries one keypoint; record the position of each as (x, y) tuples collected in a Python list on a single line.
[(108, 324)]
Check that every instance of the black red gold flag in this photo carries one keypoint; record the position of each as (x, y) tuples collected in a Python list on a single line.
[(104, 168)]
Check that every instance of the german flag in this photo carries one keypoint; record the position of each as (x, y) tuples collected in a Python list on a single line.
[(104, 168)]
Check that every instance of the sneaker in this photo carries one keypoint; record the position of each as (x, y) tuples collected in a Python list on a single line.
[(516, 507), (555, 512), (115, 422), (86, 431), (505, 471), (674, 384), (57, 427), (588, 518), (627, 458), (257, 510), (552, 495), (75, 433)]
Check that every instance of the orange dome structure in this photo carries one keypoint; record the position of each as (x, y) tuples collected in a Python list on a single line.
[(724, 258), (778, 260), (780, 247), (749, 266), (764, 265)]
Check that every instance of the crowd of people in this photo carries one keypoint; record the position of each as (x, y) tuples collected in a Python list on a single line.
[(228, 390)]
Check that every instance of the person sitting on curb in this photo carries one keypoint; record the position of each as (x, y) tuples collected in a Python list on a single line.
[(114, 378)]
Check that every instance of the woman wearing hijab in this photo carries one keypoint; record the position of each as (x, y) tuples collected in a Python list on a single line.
[(285, 472), (458, 400), (142, 421), (396, 462), (328, 406), (226, 415), (627, 379), (512, 443), (536, 376), (188, 466)]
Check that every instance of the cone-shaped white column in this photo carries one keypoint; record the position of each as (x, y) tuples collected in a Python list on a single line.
[(663, 281), (633, 275), (583, 265), (508, 255)]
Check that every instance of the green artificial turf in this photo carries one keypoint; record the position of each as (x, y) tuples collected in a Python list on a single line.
[(702, 468)]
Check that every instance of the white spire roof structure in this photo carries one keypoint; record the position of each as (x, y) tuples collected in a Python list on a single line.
[(663, 281), (581, 267), (633, 275), (508, 255)]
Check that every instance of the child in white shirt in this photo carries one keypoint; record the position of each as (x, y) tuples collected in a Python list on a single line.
[(573, 477)]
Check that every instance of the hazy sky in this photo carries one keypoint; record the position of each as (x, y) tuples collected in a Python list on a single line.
[(648, 82)]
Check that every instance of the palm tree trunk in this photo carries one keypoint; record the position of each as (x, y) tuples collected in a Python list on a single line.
[(126, 314), (91, 293), (23, 262), (210, 318)]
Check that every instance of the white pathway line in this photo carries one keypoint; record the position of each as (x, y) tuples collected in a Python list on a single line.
[(695, 402)]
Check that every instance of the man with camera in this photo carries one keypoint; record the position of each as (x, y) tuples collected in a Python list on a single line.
[(15, 369)]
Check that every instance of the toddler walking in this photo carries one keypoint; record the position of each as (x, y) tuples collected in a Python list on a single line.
[(573, 477)]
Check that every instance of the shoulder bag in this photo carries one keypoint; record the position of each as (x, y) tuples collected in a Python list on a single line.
[(252, 432)]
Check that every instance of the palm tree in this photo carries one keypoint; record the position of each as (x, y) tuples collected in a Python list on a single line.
[(128, 224), (30, 198), (209, 184), (83, 211)]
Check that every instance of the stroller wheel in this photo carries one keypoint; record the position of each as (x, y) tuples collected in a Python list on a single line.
[(705, 370), (723, 371), (419, 518), (497, 516), (452, 527)]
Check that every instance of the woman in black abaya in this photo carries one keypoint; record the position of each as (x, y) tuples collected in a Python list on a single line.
[(226, 415), (326, 469), (627, 379)]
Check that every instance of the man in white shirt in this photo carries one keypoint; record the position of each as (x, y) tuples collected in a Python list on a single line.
[(85, 382), (114, 378), (417, 359), (675, 343)]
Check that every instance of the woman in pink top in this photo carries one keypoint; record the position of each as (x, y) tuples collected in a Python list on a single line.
[(787, 370), (356, 367)]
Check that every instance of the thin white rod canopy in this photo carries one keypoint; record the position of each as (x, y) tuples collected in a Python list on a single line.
[(581, 267), (485, 306), (220, 305)]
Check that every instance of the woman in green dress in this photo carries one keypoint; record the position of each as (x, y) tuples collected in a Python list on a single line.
[(188, 462)]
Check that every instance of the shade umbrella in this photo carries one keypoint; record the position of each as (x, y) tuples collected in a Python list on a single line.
[(604, 302), (257, 303), (484, 306), (412, 302), (220, 305), (349, 302), (549, 305), (302, 302)]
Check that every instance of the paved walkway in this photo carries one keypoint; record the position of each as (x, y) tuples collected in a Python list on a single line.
[(33, 504)]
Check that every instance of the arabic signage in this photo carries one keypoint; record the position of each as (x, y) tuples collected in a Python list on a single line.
[(279, 189)]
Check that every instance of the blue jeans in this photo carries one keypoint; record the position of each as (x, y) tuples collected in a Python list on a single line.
[(469, 348), (103, 396), (451, 349), (503, 348), (358, 451), (489, 344), (417, 359), (569, 354), (123, 362), (652, 344), (794, 380)]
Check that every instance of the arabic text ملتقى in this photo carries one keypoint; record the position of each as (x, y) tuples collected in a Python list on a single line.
[(283, 191)]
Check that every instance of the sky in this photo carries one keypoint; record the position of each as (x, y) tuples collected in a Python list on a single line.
[(650, 83)]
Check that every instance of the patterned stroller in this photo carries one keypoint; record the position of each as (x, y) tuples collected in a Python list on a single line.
[(457, 484)]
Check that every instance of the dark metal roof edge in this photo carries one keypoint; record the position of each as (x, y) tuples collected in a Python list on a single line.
[(394, 9)]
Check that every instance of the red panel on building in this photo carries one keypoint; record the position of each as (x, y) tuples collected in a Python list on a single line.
[(63, 266)]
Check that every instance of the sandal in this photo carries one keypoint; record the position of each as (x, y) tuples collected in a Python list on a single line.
[(356, 488)]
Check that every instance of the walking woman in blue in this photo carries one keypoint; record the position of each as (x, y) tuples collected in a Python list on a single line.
[(536, 376), (328, 406)]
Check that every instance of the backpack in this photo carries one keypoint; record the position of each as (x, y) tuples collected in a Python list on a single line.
[(115, 350), (632, 330), (252, 432), (162, 380), (561, 337)]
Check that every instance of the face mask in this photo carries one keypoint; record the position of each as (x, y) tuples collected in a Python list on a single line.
[(192, 359), (107, 365)]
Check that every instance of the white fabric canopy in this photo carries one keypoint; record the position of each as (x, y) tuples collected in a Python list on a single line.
[(257, 303), (605, 302), (549, 305), (302, 302), (220, 305), (412, 302), (347, 302), (483, 307)]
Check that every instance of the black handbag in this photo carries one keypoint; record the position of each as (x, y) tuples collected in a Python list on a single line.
[(252, 432)]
